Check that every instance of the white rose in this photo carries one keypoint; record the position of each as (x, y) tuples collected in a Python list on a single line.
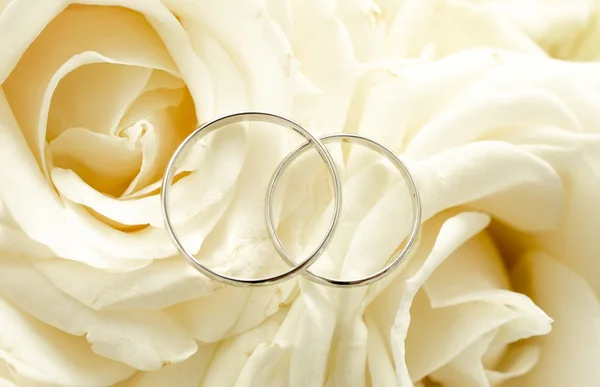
[(95, 97), (488, 135), (517, 144)]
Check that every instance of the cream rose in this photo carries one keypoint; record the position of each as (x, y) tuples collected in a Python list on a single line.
[(501, 140)]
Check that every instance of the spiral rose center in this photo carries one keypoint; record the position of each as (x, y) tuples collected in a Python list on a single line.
[(98, 95), (118, 143)]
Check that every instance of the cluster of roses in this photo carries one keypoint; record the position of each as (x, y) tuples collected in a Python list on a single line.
[(495, 107)]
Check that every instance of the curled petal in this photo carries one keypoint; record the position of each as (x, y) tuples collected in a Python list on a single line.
[(454, 232), (469, 121), (432, 30), (575, 157), (232, 355), (6, 377), (158, 285), (41, 353), (145, 340), (570, 355), (188, 373)]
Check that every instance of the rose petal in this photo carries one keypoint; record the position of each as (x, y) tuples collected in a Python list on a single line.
[(383, 117), (316, 325), (89, 159), (571, 353), (116, 335), (161, 284), (437, 336), (76, 148), (231, 356), (141, 246), (281, 12), (329, 66), (207, 320), (390, 211), (556, 27), (493, 177), (433, 30), (192, 70), (162, 80), (475, 274), (520, 359), (269, 370), (188, 373), (575, 157), (570, 83), (101, 92), (17, 36), (149, 141), (13, 240), (255, 42), (160, 141), (270, 363), (478, 260), (424, 88), (455, 231), (154, 97), (381, 368), (469, 120), (4, 4), (313, 315), (366, 26), (45, 354), (6, 379), (231, 88), (466, 368)]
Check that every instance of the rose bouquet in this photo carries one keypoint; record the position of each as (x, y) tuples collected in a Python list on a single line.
[(494, 106)]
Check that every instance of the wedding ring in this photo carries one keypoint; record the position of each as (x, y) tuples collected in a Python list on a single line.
[(398, 258), (224, 121)]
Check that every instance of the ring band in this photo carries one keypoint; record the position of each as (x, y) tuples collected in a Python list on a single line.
[(416, 205), (295, 267)]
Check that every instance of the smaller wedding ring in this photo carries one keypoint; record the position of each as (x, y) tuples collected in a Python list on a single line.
[(398, 258)]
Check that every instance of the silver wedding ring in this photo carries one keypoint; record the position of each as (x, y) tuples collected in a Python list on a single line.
[(398, 258), (296, 267), (221, 123)]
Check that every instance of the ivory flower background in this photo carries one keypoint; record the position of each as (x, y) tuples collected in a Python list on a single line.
[(494, 105)]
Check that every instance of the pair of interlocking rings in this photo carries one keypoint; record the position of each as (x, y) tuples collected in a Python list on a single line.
[(295, 267)]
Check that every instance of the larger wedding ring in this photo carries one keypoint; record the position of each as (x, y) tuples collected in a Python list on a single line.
[(224, 121)]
